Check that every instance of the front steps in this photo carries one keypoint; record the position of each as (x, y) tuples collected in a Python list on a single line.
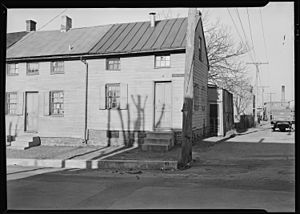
[(25, 142), (158, 141)]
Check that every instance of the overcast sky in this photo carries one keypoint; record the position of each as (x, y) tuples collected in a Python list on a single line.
[(277, 21)]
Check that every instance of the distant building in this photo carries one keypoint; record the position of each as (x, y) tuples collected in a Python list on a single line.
[(220, 103)]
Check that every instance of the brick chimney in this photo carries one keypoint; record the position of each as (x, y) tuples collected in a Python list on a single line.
[(282, 93), (66, 23), (152, 19), (30, 25)]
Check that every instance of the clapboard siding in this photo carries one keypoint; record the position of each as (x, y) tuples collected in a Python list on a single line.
[(200, 117), (139, 74), (72, 82)]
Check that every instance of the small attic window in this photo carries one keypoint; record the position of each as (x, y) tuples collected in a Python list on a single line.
[(32, 68), (113, 64), (162, 61), (57, 67)]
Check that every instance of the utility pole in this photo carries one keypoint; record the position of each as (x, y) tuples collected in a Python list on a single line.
[(187, 109), (262, 94), (262, 100), (271, 103), (256, 85)]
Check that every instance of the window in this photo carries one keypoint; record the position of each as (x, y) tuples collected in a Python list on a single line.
[(112, 96), (11, 99), (32, 68), (57, 67), (200, 49), (113, 64), (56, 102), (162, 61), (12, 69), (196, 97)]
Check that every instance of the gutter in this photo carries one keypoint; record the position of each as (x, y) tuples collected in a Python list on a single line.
[(86, 99)]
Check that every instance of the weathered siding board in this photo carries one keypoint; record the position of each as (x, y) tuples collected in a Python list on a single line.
[(72, 82), (200, 117), (139, 73)]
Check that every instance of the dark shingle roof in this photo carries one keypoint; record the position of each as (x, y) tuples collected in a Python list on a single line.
[(141, 37), (12, 38)]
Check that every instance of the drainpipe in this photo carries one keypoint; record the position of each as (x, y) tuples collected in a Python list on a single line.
[(86, 98)]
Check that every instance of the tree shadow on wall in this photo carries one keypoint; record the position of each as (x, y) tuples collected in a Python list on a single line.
[(132, 136)]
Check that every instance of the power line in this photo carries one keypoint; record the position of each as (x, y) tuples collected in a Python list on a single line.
[(52, 19), (238, 14), (251, 33), (262, 27), (236, 29)]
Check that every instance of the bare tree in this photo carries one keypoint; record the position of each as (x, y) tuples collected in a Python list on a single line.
[(227, 69)]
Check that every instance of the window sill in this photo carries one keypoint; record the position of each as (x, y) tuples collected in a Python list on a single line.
[(12, 74), (162, 67), (32, 74), (56, 115), (53, 73)]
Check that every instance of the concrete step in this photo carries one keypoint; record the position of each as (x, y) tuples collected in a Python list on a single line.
[(18, 147), (156, 147), (155, 134), (160, 141), (20, 143)]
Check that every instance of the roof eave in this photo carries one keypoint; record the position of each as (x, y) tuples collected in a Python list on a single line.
[(92, 55)]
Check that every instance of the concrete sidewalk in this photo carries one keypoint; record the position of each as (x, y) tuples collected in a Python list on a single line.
[(89, 157)]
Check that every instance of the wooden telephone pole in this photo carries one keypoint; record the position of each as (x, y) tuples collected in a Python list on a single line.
[(256, 86), (187, 110)]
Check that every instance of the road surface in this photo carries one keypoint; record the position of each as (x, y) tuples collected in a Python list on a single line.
[(230, 175)]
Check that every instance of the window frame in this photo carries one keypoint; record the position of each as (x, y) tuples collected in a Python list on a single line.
[(162, 55), (108, 103), (8, 103), (16, 69), (52, 71), (114, 60), (51, 103), (35, 72)]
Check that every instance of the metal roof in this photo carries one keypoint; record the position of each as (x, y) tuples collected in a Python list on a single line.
[(49, 43), (122, 38), (141, 37), (12, 38)]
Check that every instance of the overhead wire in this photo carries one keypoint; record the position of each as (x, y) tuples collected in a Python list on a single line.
[(246, 40), (262, 27), (52, 19), (236, 29), (249, 23)]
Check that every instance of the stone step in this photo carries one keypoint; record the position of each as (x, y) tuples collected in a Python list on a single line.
[(160, 141), (23, 143), (160, 135), (156, 147)]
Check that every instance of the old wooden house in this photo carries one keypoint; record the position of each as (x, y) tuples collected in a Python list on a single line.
[(104, 85)]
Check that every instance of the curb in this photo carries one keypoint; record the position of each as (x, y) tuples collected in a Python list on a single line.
[(93, 164)]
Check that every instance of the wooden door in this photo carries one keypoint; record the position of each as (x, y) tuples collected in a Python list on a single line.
[(31, 117), (163, 105), (213, 115)]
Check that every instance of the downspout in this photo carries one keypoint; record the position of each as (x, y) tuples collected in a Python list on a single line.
[(86, 99)]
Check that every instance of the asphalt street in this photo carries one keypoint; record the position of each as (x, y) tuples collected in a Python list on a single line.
[(246, 180)]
